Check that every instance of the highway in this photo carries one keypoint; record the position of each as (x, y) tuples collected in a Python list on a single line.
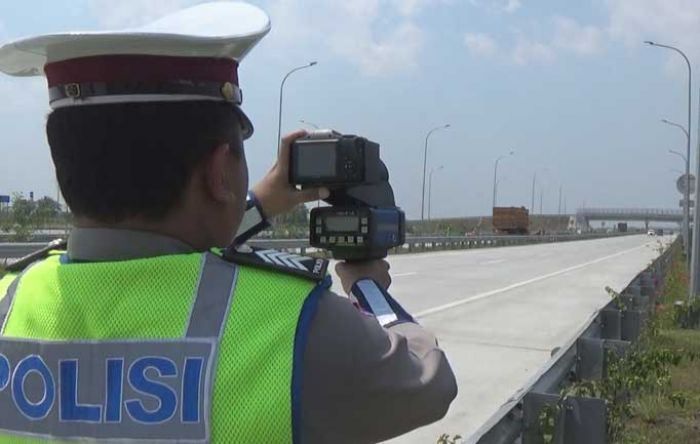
[(499, 312)]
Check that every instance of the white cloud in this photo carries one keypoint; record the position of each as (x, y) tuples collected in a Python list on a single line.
[(500, 6), (410, 7), (113, 14), (381, 38), (480, 44), (567, 35), (527, 51), (413, 7), (512, 6), (672, 22), (632, 22), (399, 50), (570, 35)]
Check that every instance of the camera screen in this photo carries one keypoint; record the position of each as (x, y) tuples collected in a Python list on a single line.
[(316, 160), (342, 223)]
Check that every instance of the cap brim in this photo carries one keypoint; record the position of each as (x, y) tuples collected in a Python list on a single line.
[(220, 29)]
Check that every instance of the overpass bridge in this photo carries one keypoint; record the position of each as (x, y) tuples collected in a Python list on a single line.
[(585, 215)]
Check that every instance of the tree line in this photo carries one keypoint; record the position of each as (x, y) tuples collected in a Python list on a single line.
[(23, 217)]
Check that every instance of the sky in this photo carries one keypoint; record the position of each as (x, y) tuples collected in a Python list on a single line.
[(569, 87)]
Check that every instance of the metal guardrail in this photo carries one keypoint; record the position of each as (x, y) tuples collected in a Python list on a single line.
[(582, 420), (10, 250)]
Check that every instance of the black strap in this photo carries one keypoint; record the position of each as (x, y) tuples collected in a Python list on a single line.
[(223, 91)]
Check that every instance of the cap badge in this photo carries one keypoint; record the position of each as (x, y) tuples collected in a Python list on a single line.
[(72, 90), (228, 91)]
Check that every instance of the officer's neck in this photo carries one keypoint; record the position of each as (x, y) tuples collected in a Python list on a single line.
[(187, 230)]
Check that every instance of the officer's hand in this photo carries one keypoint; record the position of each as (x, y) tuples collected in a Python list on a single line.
[(275, 194), (351, 272)]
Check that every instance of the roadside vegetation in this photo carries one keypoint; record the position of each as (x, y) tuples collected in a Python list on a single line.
[(652, 392), (668, 410)]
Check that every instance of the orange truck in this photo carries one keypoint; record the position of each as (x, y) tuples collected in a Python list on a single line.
[(511, 220)]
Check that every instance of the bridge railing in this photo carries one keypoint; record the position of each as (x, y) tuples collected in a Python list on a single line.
[(630, 211)]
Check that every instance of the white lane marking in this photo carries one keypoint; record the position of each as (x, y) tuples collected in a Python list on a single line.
[(487, 294), (493, 262), (410, 273)]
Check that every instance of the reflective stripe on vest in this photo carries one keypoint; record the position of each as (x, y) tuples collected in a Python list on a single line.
[(139, 390)]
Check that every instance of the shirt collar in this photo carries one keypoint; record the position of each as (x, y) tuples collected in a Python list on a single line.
[(110, 244)]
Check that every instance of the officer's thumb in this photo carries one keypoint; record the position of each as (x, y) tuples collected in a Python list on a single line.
[(313, 194)]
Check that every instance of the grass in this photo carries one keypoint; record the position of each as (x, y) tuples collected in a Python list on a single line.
[(670, 414)]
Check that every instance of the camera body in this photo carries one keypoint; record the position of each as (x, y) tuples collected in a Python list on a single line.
[(363, 221), (328, 158)]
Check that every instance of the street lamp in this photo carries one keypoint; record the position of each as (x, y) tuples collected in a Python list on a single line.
[(686, 191), (685, 159), (430, 187), (279, 118), (541, 199), (534, 180), (311, 124), (495, 175), (425, 163), (686, 215), (560, 189)]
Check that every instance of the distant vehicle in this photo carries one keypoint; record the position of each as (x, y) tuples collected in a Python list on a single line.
[(659, 232), (651, 233), (511, 220), (622, 227)]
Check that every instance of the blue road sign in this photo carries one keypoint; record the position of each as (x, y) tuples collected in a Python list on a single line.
[(4, 199)]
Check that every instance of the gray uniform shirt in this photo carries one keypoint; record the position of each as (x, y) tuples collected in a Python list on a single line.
[(362, 383)]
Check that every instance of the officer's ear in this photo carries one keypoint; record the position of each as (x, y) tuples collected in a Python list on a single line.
[(219, 175)]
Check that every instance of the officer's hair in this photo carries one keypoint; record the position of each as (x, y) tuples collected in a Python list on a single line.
[(119, 161)]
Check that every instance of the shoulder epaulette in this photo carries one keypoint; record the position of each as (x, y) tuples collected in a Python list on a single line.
[(289, 263), (23, 262)]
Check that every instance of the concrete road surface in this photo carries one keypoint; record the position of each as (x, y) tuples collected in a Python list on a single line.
[(499, 312)]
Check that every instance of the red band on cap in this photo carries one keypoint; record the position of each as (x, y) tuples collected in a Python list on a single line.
[(141, 68)]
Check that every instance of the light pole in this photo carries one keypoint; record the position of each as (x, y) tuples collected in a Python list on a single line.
[(430, 187), (534, 180), (686, 191), (694, 269), (425, 164), (311, 124), (541, 199), (495, 175), (559, 211), (532, 204), (279, 118), (685, 159)]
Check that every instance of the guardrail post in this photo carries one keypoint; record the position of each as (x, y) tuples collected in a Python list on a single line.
[(632, 323), (611, 323), (579, 421), (590, 357)]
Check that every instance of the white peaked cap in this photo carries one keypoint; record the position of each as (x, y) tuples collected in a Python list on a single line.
[(192, 54)]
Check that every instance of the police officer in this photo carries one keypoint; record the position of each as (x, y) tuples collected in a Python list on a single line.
[(142, 330)]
